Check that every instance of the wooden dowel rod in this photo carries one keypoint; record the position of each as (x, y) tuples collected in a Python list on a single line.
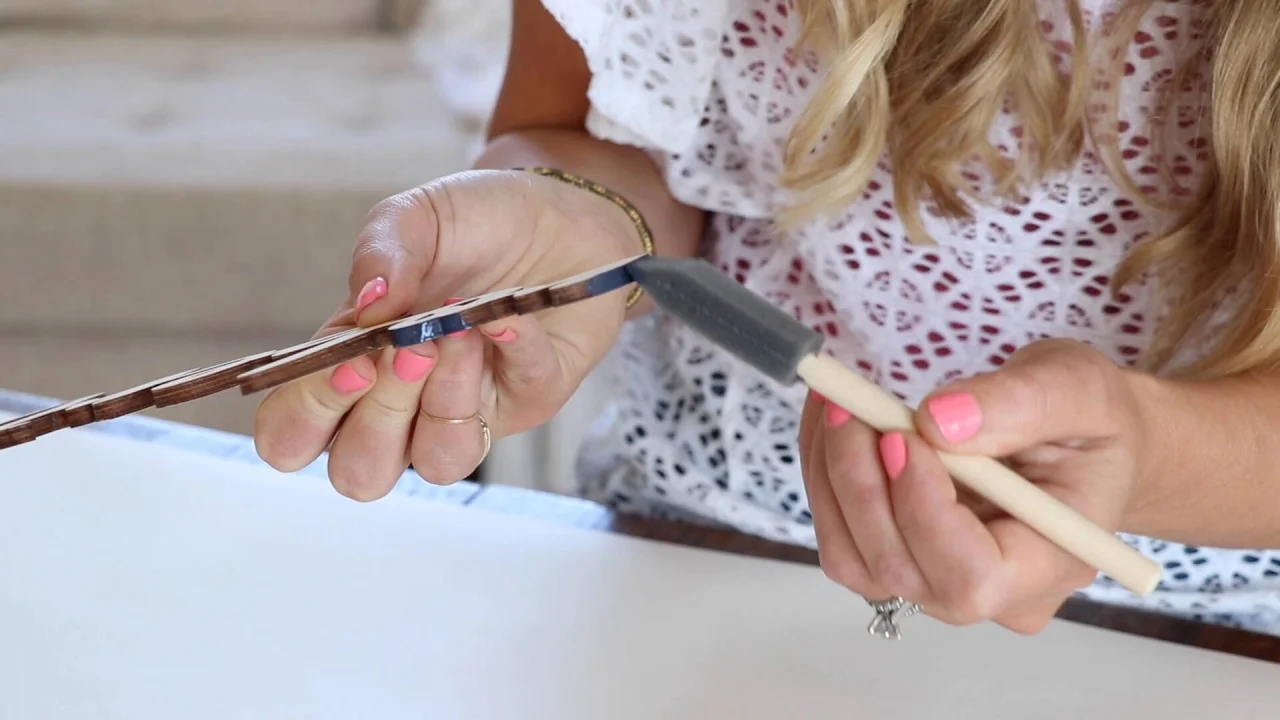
[(1008, 490)]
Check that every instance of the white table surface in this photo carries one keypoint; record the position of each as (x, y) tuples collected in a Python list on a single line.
[(139, 581)]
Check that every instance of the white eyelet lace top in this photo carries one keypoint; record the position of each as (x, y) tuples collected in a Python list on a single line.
[(710, 89)]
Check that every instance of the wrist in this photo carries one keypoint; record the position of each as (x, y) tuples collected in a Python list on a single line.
[(1158, 411), (622, 223)]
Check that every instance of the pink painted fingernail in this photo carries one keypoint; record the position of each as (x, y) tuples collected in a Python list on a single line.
[(505, 336), (836, 415), (346, 380), (817, 396), (372, 290), (409, 366), (893, 454), (957, 416)]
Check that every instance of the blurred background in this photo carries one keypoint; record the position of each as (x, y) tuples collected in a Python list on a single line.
[(182, 181)]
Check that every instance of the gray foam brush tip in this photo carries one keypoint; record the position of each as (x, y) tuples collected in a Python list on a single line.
[(728, 314)]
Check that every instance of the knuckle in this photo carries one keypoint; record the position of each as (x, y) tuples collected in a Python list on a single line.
[(864, 493), (897, 575), (1080, 576), (444, 464), (1030, 392), (972, 600), (453, 385), (528, 416), (392, 405), (392, 205), (530, 371), (317, 401)]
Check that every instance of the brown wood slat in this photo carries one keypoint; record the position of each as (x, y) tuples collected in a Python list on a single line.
[(266, 370), (206, 382)]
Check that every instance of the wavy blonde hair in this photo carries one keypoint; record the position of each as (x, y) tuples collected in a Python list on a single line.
[(919, 82)]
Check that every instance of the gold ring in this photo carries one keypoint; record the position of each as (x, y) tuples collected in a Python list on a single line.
[(488, 438), (450, 421), (484, 428)]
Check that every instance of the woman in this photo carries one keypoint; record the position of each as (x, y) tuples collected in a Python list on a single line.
[(1052, 227)]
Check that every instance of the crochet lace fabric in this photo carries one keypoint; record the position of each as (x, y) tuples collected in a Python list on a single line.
[(710, 88)]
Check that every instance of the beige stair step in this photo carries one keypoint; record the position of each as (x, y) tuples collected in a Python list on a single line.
[(214, 184), (274, 16)]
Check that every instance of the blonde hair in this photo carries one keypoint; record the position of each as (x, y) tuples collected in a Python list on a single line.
[(919, 82)]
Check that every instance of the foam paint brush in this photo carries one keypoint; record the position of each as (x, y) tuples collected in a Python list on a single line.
[(786, 350)]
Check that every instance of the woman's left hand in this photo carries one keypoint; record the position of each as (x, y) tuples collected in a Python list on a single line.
[(891, 522)]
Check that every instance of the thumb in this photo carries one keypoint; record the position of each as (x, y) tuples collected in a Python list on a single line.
[(1049, 392), (392, 258)]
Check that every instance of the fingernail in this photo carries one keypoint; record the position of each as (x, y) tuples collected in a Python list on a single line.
[(372, 290), (893, 453), (817, 396), (409, 366), (957, 416), (836, 415), (345, 379), (505, 336)]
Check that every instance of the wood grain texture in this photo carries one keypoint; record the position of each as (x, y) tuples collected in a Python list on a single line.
[(581, 513), (32, 425), (265, 370), (206, 382), (342, 348)]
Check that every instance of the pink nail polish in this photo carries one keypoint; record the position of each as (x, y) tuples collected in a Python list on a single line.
[(372, 290), (410, 366), (957, 415), (345, 379), (893, 454), (836, 415), (505, 336)]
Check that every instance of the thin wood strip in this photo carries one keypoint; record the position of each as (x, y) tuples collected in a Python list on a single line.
[(15, 435), (135, 399), (293, 349), (41, 422), (453, 319), (322, 353), (78, 412), (262, 371), (206, 382), (592, 284), (343, 348), (585, 285)]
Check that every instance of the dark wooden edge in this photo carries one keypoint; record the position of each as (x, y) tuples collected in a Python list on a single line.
[(311, 361), (584, 514), (16, 435), (206, 382), (263, 371)]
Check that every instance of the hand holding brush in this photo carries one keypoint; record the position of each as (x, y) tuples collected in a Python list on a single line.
[(785, 350)]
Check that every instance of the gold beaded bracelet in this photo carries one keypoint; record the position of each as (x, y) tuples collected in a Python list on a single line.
[(642, 227)]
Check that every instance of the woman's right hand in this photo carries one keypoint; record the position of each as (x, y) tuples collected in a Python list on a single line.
[(460, 236)]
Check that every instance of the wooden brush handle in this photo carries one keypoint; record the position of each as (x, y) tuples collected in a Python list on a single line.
[(996, 482)]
